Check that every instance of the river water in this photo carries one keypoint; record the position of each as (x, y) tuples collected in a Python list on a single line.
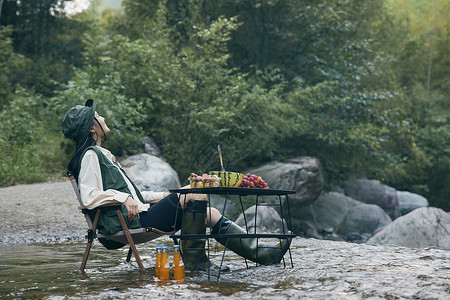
[(322, 270)]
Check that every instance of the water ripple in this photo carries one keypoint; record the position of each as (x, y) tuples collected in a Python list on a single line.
[(322, 270)]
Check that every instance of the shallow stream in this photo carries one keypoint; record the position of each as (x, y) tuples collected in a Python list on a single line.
[(322, 270)]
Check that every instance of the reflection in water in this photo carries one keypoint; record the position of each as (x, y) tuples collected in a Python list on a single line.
[(322, 269)]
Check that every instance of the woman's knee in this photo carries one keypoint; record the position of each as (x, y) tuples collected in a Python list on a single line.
[(196, 197), (185, 198), (213, 215)]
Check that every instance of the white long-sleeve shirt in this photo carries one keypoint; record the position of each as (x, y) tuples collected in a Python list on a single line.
[(91, 184)]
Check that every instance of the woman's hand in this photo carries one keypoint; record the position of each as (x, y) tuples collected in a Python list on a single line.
[(132, 208)]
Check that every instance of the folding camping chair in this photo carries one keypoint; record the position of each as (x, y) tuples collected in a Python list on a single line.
[(125, 236)]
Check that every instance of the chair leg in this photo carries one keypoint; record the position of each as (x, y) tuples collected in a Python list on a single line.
[(86, 254), (130, 241), (91, 237), (130, 251)]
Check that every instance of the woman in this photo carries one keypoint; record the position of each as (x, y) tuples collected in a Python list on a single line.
[(101, 180)]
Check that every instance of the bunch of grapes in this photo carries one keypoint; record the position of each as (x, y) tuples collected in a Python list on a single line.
[(253, 181)]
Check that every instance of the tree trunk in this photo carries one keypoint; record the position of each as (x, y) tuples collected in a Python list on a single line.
[(1, 5), (430, 57)]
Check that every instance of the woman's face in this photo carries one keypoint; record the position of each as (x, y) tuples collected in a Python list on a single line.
[(102, 123)]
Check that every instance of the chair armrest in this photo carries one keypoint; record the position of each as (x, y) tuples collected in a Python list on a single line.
[(103, 205)]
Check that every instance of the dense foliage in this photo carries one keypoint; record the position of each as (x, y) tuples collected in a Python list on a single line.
[(349, 82)]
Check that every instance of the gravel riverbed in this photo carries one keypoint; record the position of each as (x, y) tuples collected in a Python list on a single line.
[(41, 212)]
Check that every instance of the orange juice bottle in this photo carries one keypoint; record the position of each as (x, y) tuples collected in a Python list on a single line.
[(164, 269), (178, 265), (158, 260)]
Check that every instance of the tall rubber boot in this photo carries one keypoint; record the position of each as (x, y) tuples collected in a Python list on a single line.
[(250, 248), (193, 250)]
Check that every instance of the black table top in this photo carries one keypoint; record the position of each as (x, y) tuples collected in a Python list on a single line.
[(234, 191)]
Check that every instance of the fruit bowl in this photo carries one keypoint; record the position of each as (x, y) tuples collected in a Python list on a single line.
[(229, 179), (203, 181)]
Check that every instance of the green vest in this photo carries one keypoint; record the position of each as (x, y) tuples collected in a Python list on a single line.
[(108, 222)]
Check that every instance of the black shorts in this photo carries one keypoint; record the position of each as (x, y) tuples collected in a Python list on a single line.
[(165, 215)]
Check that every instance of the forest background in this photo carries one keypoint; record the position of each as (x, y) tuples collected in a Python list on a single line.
[(361, 85)]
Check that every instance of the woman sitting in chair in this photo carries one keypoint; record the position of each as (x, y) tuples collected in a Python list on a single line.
[(101, 180)]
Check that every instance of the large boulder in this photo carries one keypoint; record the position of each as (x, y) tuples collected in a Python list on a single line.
[(307, 230), (362, 221), (302, 174), (409, 201), (267, 220), (149, 172), (228, 205), (325, 214), (423, 227), (374, 192)]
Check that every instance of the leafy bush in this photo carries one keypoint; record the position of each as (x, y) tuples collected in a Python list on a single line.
[(122, 114), (11, 63), (29, 150), (189, 101), (433, 137)]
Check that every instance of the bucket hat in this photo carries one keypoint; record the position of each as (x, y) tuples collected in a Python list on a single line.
[(78, 121)]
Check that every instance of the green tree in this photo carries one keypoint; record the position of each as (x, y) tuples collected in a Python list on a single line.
[(11, 63), (422, 66), (43, 33), (187, 98)]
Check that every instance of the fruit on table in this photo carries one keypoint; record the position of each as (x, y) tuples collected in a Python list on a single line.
[(253, 181), (228, 179), (205, 180)]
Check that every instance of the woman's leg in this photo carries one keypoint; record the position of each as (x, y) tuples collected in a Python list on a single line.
[(165, 213), (212, 217), (212, 214), (196, 216), (185, 198), (250, 248)]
